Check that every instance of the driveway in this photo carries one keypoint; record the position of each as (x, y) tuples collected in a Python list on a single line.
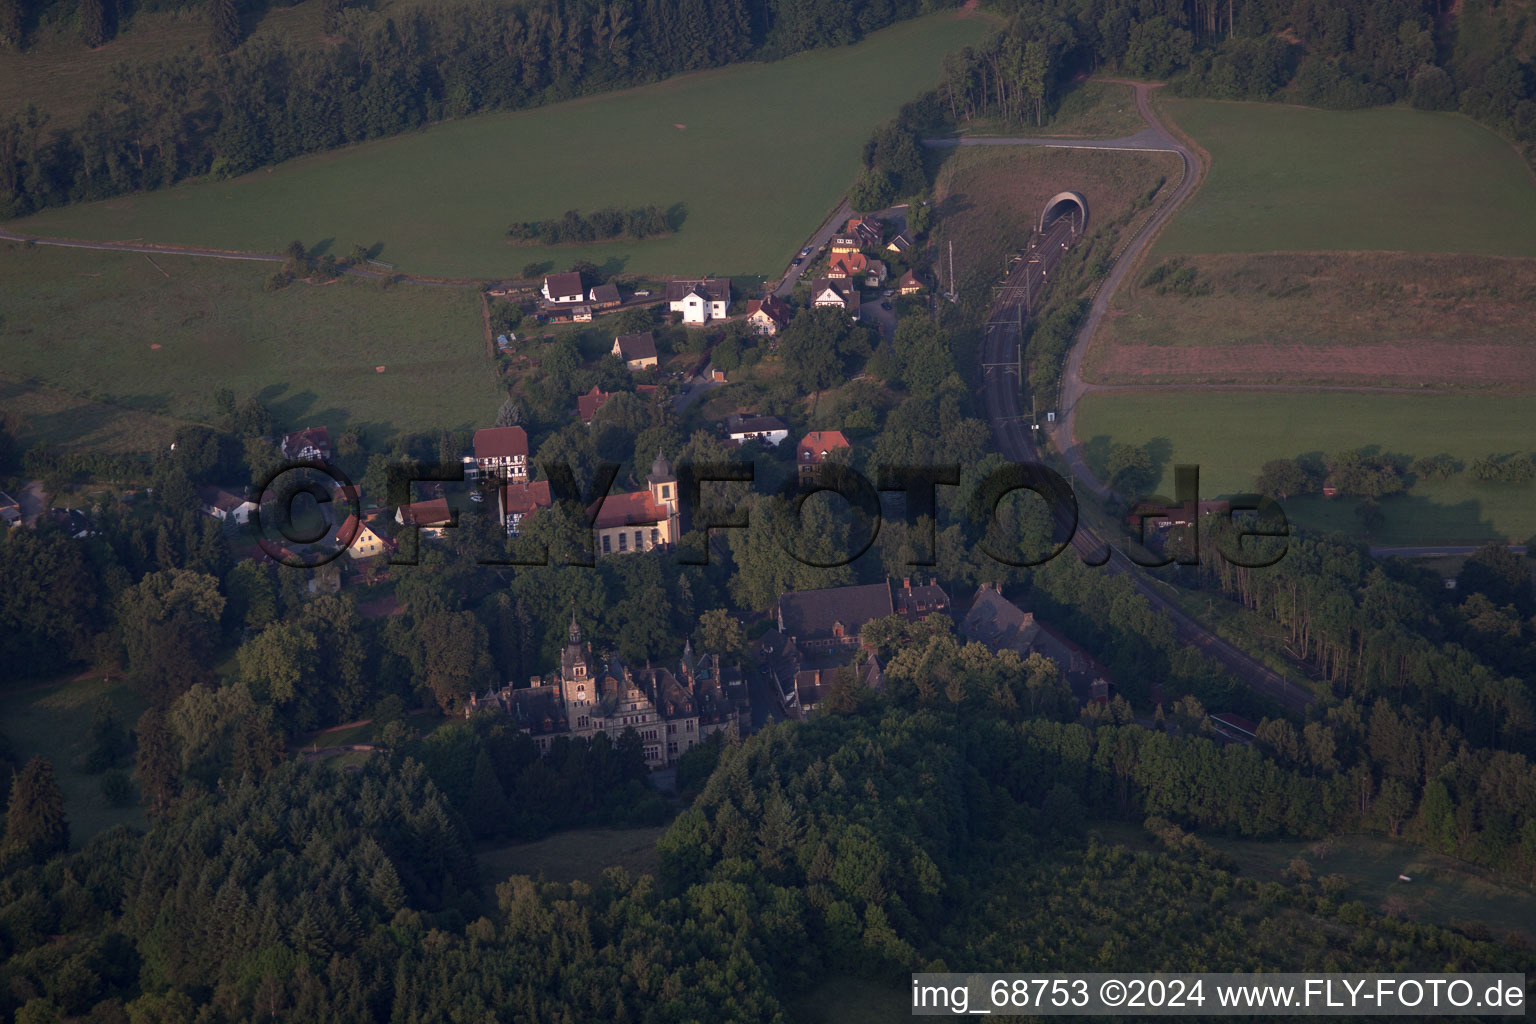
[(823, 235), (32, 501)]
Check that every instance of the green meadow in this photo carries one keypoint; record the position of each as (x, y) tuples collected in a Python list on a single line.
[(53, 720), (755, 155), (107, 350), (1286, 178), (1230, 435)]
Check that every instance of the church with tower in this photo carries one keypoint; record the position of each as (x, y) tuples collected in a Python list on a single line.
[(672, 712), (639, 520)]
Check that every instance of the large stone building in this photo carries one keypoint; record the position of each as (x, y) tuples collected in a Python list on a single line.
[(672, 712)]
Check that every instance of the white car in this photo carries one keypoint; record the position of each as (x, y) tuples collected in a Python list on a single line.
[(476, 496), (805, 252)]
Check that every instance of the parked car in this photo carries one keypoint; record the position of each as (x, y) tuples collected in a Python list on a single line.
[(885, 305), (642, 295), (795, 262), (476, 496), (805, 252)]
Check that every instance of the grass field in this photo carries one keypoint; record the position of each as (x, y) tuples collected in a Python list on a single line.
[(757, 154), (54, 720), (581, 854), (1295, 179), (77, 326), (990, 197), (1231, 434), (1444, 890), (1396, 319)]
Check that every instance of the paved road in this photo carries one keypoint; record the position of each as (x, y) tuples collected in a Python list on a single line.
[(831, 226), (1001, 394), (1147, 140), (1438, 551)]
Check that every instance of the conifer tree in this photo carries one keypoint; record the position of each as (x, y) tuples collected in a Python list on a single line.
[(93, 22), (35, 825), (488, 812), (157, 761), (225, 33)]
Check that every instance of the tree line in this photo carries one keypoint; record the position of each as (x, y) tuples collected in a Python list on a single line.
[(271, 98), (1346, 55), (576, 227)]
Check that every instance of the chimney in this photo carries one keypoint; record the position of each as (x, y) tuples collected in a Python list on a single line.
[(933, 581), (906, 584)]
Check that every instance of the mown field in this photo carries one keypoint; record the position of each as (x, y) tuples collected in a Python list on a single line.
[(577, 855), (1444, 891), (755, 154), (1288, 178), (77, 330), (1397, 319), (1231, 434), (54, 720)]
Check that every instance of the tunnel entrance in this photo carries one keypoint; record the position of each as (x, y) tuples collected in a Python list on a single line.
[(1064, 204)]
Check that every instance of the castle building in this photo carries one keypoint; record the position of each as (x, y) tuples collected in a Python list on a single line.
[(672, 712)]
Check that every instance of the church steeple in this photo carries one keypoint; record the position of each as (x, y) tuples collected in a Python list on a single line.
[(574, 631)]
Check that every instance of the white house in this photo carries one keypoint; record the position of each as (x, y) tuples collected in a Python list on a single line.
[(560, 288), (700, 300), (767, 429), (225, 505)]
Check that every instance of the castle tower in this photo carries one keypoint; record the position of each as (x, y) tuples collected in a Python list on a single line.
[(578, 686)]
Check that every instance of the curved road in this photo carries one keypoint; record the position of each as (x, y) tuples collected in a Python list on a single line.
[(1001, 391)]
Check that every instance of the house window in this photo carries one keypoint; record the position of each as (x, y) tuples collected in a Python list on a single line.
[(655, 537), (639, 544), (671, 728), (605, 544), (690, 725), (666, 491), (623, 542), (672, 749)]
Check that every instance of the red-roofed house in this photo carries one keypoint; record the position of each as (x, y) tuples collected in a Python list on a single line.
[(502, 452), (588, 404), (816, 446), (768, 316), (639, 520), (431, 516), (518, 501), (309, 443), (361, 540)]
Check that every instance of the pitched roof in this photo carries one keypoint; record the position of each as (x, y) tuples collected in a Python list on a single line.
[(756, 424), (909, 280), (588, 404), (309, 437), (998, 623), (716, 289), (501, 443), (815, 445), (605, 293), (636, 346), (568, 283), (808, 614), (524, 498), (773, 307), (434, 512), (212, 495), (822, 285), (919, 602), (901, 243), (630, 508)]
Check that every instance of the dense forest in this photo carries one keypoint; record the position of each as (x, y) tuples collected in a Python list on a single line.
[(264, 100), (920, 827)]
